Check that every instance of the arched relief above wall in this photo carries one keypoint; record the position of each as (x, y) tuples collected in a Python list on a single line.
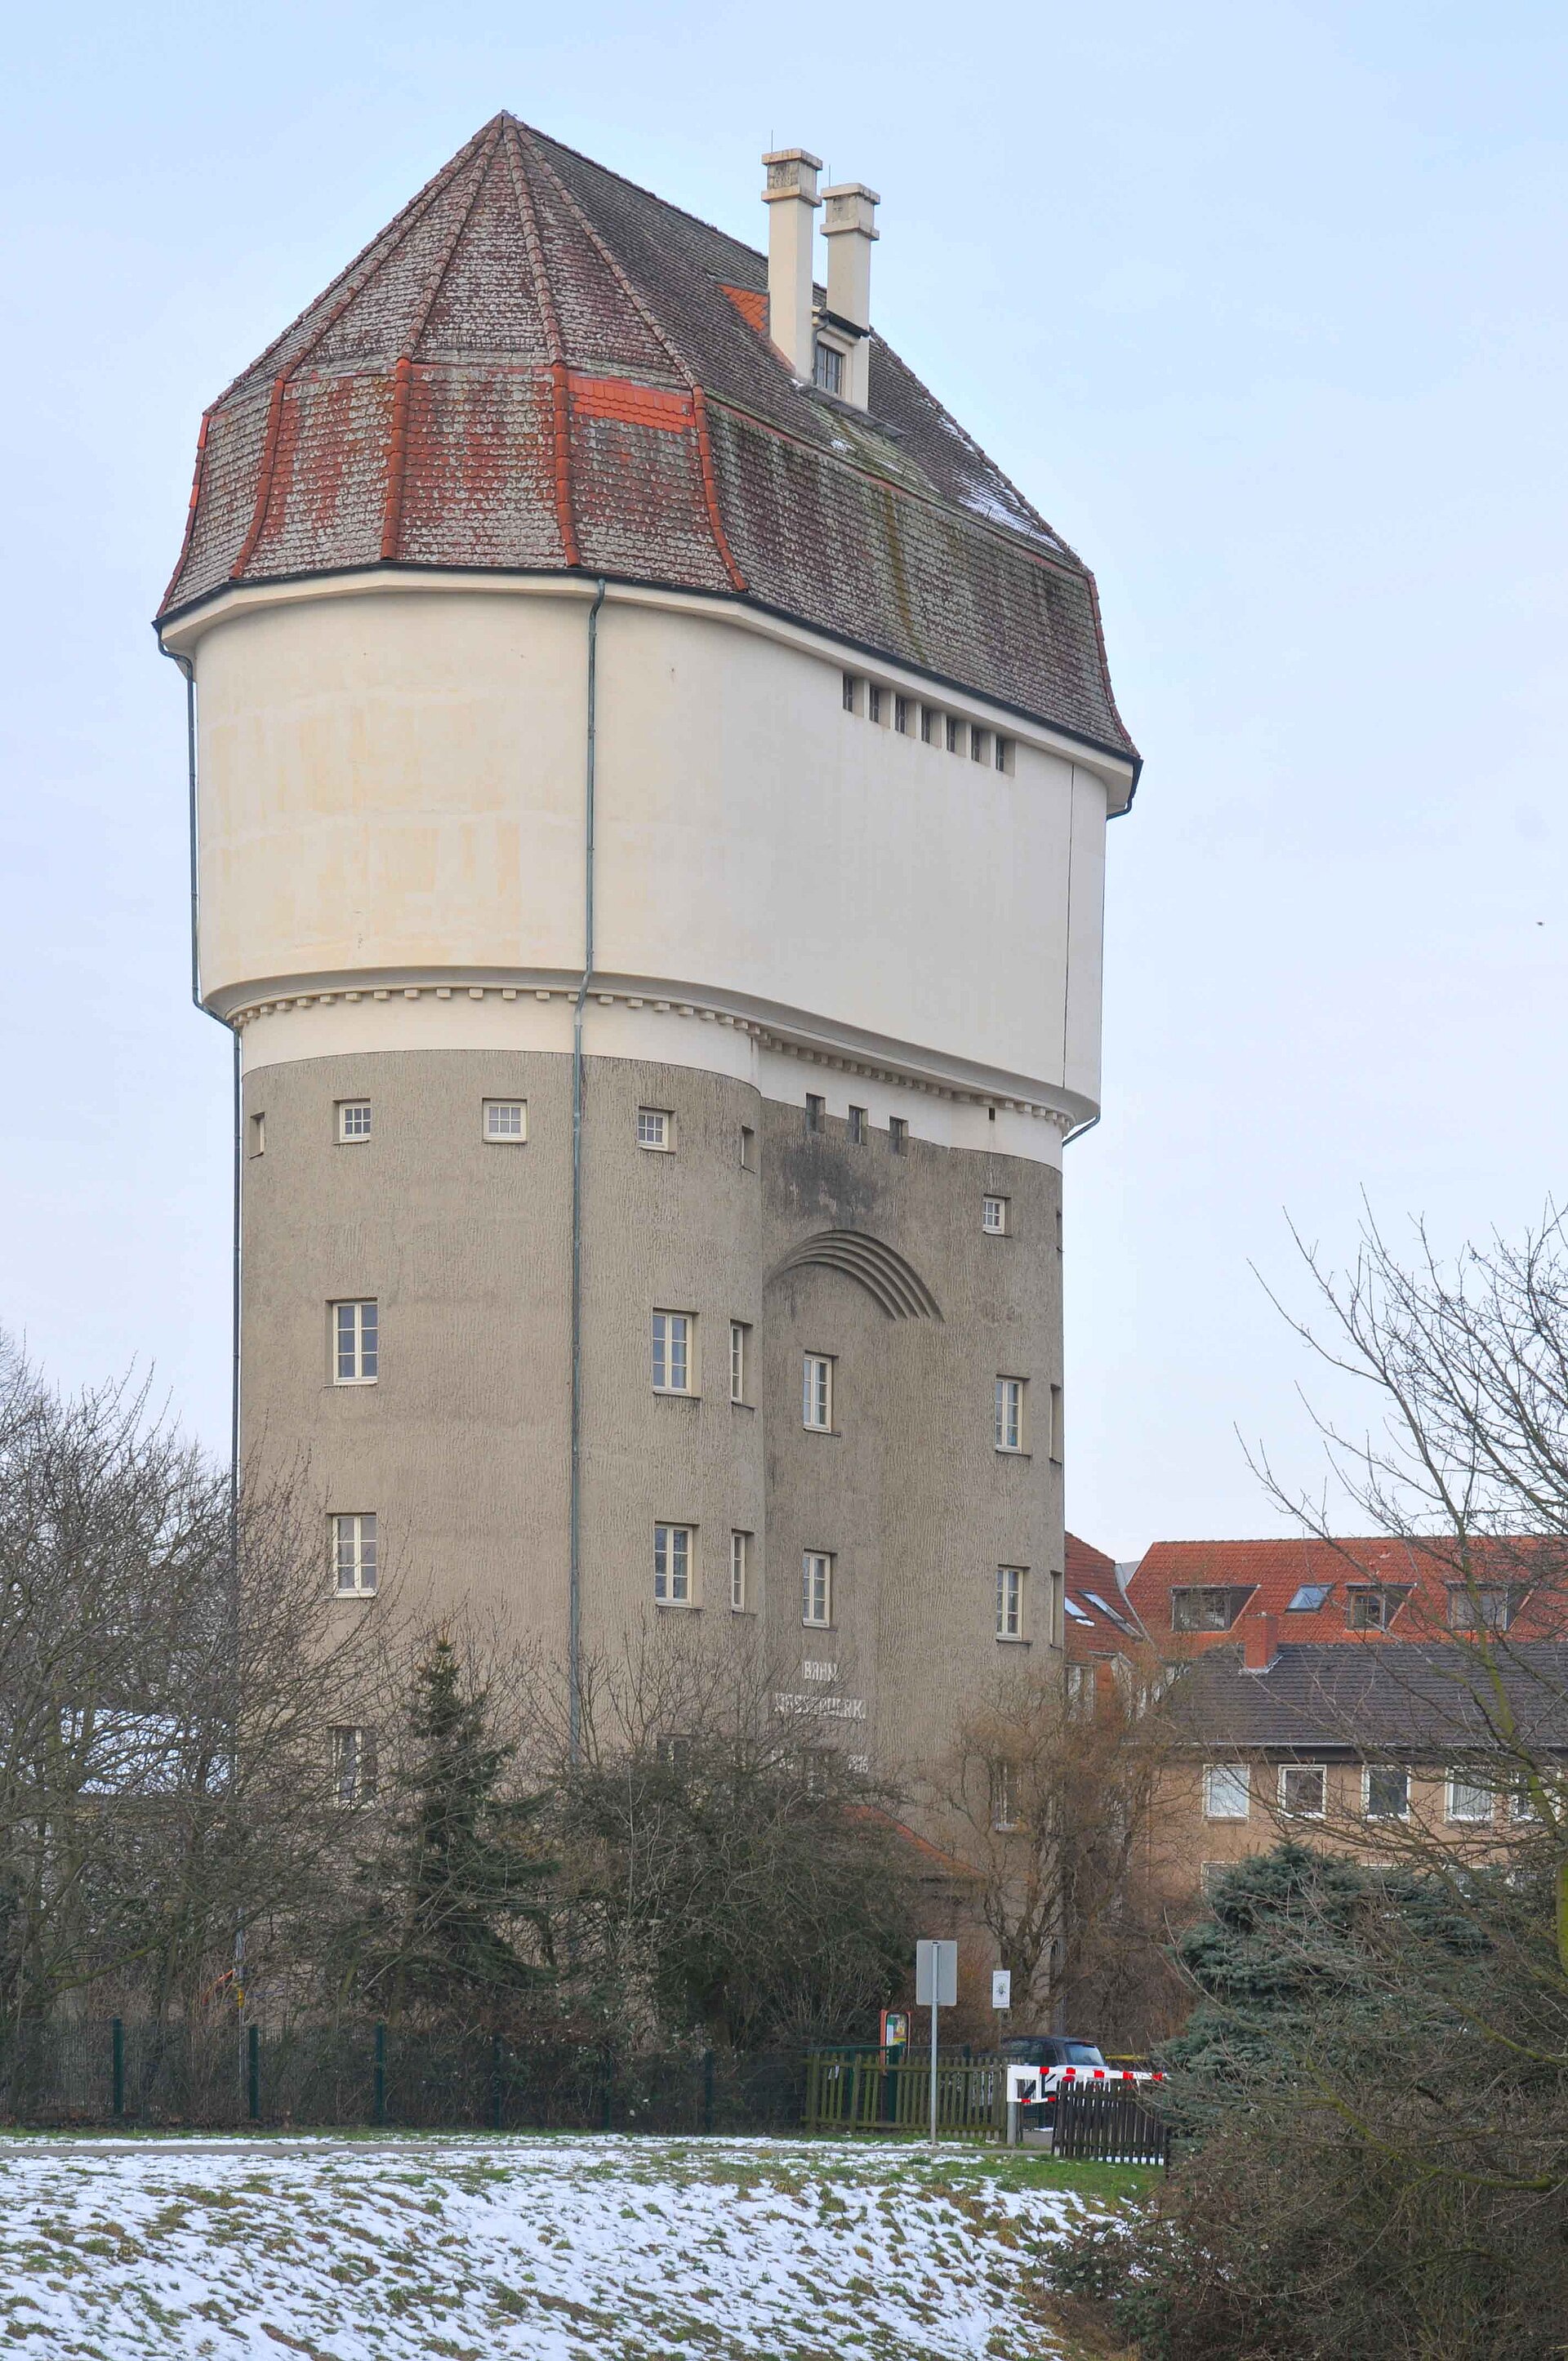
[(891, 1282)]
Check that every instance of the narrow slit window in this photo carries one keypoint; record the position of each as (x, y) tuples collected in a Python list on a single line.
[(816, 1112), (979, 745), (928, 718), (952, 734), (748, 1148), (1009, 1602), (829, 367), (738, 1358), (740, 1570), (874, 702), (902, 712), (857, 1127), (898, 1135), (353, 1766), (852, 692), (258, 1135), (1003, 753)]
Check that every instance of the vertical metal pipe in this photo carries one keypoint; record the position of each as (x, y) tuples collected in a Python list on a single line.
[(574, 1570), (933, 2016)]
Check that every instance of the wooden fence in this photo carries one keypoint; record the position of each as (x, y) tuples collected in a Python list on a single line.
[(854, 2091), (1111, 2126)]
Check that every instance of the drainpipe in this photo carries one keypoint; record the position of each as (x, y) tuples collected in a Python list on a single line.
[(575, 1571)]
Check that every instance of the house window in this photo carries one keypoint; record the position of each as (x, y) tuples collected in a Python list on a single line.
[(1522, 1805), (748, 1148), (902, 716), (355, 1334), (816, 1587), (672, 1554), (353, 1766), (898, 1135), (1469, 1798), (816, 1112), (1059, 1229), (1056, 1435), (1385, 1791), (816, 1405), (1302, 1790), (993, 1216), (506, 1120), (852, 692), (1004, 1797), (1010, 1413), (258, 1135), (353, 1120), (830, 369), (1310, 1597), (739, 1569), (857, 1126), (928, 720), (672, 1352), (1206, 1610), (1482, 1607), (1003, 753), (1009, 1602), (951, 733), (656, 1129), (1080, 1688), (354, 1556), (1227, 1791), (737, 1360), (873, 703), (979, 745), (1372, 1607)]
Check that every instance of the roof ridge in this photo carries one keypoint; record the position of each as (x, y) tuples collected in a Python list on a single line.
[(756, 252)]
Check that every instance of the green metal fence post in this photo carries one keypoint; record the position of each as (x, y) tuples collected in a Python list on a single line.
[(380, 2078), (253, 2072), (708, 2090), (117, 2032)]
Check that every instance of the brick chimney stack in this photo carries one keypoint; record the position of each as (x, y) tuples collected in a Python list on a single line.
[(791, 198), (1260, 1643), (849, 226)]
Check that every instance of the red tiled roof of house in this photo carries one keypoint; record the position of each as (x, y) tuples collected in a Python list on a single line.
[(1266, 1576), (1097, 1619), (537, 368)]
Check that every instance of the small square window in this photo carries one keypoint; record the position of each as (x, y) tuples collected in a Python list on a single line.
[(354, 1556), (506, 1121), (1310, 1597), (353, 1766), (979, 745), (748, 1148), (817, 1407), (1385, 1791), (656, 1129), (258, 1135), (857, 1126), (929, 718), (1009, 1602), (1469, 1798), (740, 1342), (898, 1135), (952, 732), (740, 1572), (1303, 1790), (829, 367), (902, 716), (816, 1587), (353, 1120), (672, 1555), (874, 700), (1227, 1791), (816, 1112), (673, 1351), (852, 692), (993, 1216), (1009, 1420), (356, 1343)]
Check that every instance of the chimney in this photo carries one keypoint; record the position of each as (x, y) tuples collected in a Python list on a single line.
[(1260, 1644), (849, 222), (791, 196)]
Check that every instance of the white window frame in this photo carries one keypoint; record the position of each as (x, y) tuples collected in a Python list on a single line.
[(674, 1565), (353, 1746), (355, 1551), (1009, 1416), (1399, 1770), (1458, 1782), (672, 1341), (1080, 1688), (1010, 1589), (490, 1108), (656, 1130), (1222, 1778), (816, 1390), (362, 1338), (827, 350), (1001, 1776), (350, 1111), (1290, 1810), (993, 1216), (740, 1354), (817, 1589), (740, 1572)]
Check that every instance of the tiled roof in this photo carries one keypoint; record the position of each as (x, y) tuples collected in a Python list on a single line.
[(1098, 1620), (1325, 1697), (537, 368), (1272, 1573)]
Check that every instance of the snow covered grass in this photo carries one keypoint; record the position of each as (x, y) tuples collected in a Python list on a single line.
[(555, 2249)]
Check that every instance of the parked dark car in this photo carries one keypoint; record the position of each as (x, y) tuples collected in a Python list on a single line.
[(1062, 2063), (1052, 2049)]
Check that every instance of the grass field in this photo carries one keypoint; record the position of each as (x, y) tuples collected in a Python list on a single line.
[(557, 2250)]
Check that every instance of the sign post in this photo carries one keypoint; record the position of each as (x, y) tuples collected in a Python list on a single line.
[(936, 1987)]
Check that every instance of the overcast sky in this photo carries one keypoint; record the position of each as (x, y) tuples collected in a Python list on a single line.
[(1260, 304)]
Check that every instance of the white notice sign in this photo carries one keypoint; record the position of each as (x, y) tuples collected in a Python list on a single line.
[(1002, 1988)]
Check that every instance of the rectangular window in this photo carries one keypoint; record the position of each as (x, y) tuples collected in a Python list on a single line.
[(672, 1352), (1206, 1610), (1227, 1791), (857, 1126), (1009, 1602), (506, 1120), (816, 1408), (739, 1569), (1303, 1788), (738, 1334), (829, 367), (898, 1135), (1003, 753), (354, 1343), (1080, 1688), (1059, 1229), (354, 1556), (902, 716), (1373, 1607), (1469, 1798), (672, 1555), (1385, 1791), (1004, 1797), (1055, 1434), (952, 734), (353, 1766), (1010, 1413), (655, 1129), (816, 1587), (873, 703), (979, 745), (928, 720), (353, 1119), (748, 1148), (1482, 1607), (816, 1112), (852, 689), (258, 1135), (993, 1216), (1310, 1597)]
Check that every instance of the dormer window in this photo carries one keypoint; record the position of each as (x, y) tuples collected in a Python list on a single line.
[(1207, 1610), (829, 370)]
